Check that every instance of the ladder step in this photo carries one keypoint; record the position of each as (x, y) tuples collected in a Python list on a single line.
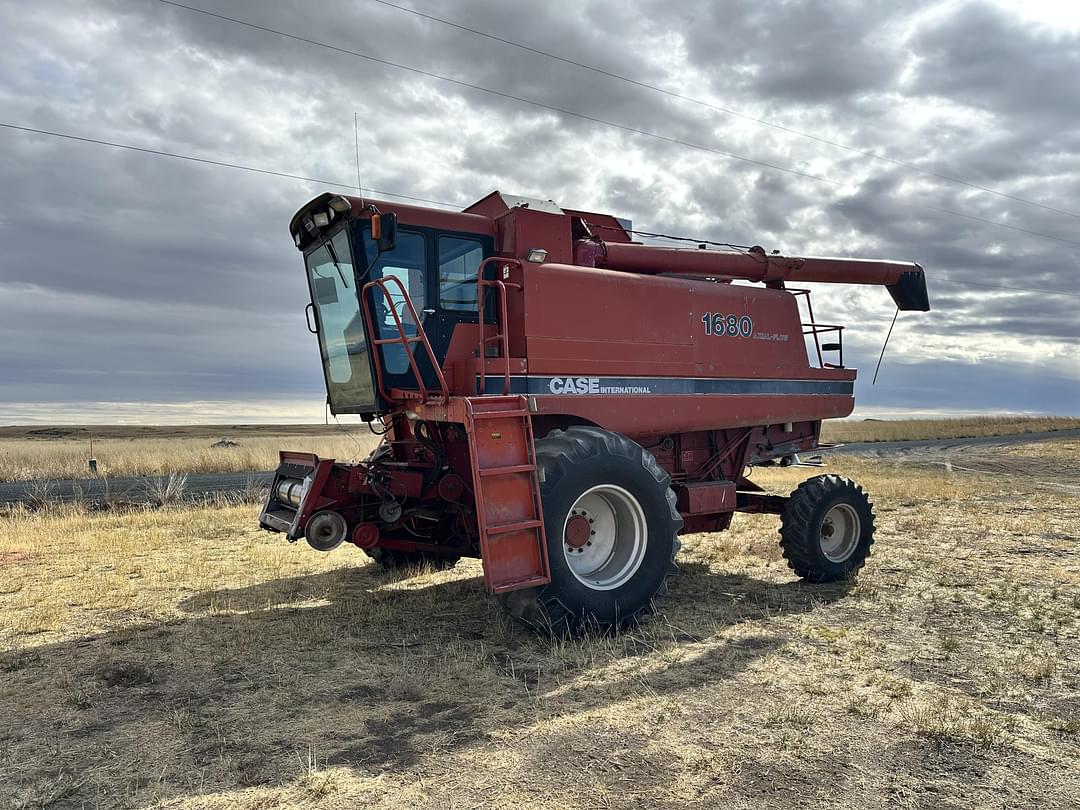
[(513, 468), (505, 528), (499, 414), (524, 581)]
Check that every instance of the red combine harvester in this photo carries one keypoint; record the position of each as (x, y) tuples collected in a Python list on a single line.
[(562, 402)]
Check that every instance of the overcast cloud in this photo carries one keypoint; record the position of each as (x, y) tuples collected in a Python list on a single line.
[(134, 286)]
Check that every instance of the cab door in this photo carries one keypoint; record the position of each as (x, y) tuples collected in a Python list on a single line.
[(409, 263), (457, 258)]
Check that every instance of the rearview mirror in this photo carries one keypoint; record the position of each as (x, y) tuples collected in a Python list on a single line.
[(384, 230)]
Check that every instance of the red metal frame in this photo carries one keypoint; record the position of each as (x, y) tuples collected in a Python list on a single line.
[(812, 327), (501, 320), (818, 329)]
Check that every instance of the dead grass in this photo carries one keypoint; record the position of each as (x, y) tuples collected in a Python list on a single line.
[(23, 459), (898, 430), (180, 658), (28, 453)]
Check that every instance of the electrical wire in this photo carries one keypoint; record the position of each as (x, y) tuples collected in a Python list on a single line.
[(651, 235), (510, 96), (959, 283), (562, 111), (347, 432), (728, 111), (210, 162), (273, 173), (1003, 225)]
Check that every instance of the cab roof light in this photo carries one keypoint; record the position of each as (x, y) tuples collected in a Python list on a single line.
[(340, 204), (322, 218), (536, 256)]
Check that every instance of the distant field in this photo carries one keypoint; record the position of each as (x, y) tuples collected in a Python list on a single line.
[(180, 658), (875, 430), (62, 452), (28, 453)]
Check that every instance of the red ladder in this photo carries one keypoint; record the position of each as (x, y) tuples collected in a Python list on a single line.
[(507, 487)]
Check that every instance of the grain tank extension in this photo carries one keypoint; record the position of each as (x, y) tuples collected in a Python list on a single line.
[(562, 402)]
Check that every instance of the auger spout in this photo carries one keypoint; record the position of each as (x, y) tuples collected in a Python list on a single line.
[(905, 281)]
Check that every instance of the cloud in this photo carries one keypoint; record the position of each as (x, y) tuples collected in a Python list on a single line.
[(978, 55)]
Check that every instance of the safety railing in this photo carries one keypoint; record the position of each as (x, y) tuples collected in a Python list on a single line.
[(818, 329), (501, 336), (402, 339), (815, 329)]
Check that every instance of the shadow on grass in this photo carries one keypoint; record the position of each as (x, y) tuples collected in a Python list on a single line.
[(352, 667)]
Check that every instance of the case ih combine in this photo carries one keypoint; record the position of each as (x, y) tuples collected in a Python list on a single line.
[(562, 402)]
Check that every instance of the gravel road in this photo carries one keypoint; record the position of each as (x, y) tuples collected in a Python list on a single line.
[(950, 445), (131, 490)]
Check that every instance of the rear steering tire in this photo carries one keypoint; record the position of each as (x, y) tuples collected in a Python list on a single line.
[(827, 528), (611, 527)]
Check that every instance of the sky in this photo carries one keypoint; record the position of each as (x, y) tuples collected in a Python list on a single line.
[(139, 288)]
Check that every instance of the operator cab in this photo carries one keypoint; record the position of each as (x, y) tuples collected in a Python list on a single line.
[(432, 257)]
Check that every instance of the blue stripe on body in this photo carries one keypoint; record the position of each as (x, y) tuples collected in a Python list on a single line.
[(640, 386)]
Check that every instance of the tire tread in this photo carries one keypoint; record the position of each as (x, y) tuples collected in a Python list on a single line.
[(798, 515), (556, 452)]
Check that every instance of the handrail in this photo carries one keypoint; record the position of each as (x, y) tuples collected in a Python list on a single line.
[(817, 329), (402, 339), (501, 334)]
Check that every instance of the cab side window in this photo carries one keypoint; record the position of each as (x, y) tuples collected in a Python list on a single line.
[(459, 260)]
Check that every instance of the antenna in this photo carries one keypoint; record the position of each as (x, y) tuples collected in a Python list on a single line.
[(883, 345), (356, 143)]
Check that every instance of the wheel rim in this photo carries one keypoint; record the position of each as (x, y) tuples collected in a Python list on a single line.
[(609, 551), (840, 531)]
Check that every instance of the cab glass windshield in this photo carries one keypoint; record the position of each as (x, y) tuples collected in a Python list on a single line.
[(340, 325)]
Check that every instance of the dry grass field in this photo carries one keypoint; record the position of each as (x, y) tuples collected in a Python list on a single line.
[(62, 452), (180, 658), (902, 430), (28, 453)]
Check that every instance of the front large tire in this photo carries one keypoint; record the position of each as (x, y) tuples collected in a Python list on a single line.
[(827, 528), (612, 533)]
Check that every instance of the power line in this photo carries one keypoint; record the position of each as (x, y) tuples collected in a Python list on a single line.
[(569, 113), (273, 173), (1003, 225), (728, 111), (511, 97), (1004, 287), (208, 161)]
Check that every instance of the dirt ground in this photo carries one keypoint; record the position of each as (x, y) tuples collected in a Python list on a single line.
[(181, 658)]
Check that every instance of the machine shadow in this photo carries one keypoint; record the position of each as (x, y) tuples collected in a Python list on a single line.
[(369, 670)]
